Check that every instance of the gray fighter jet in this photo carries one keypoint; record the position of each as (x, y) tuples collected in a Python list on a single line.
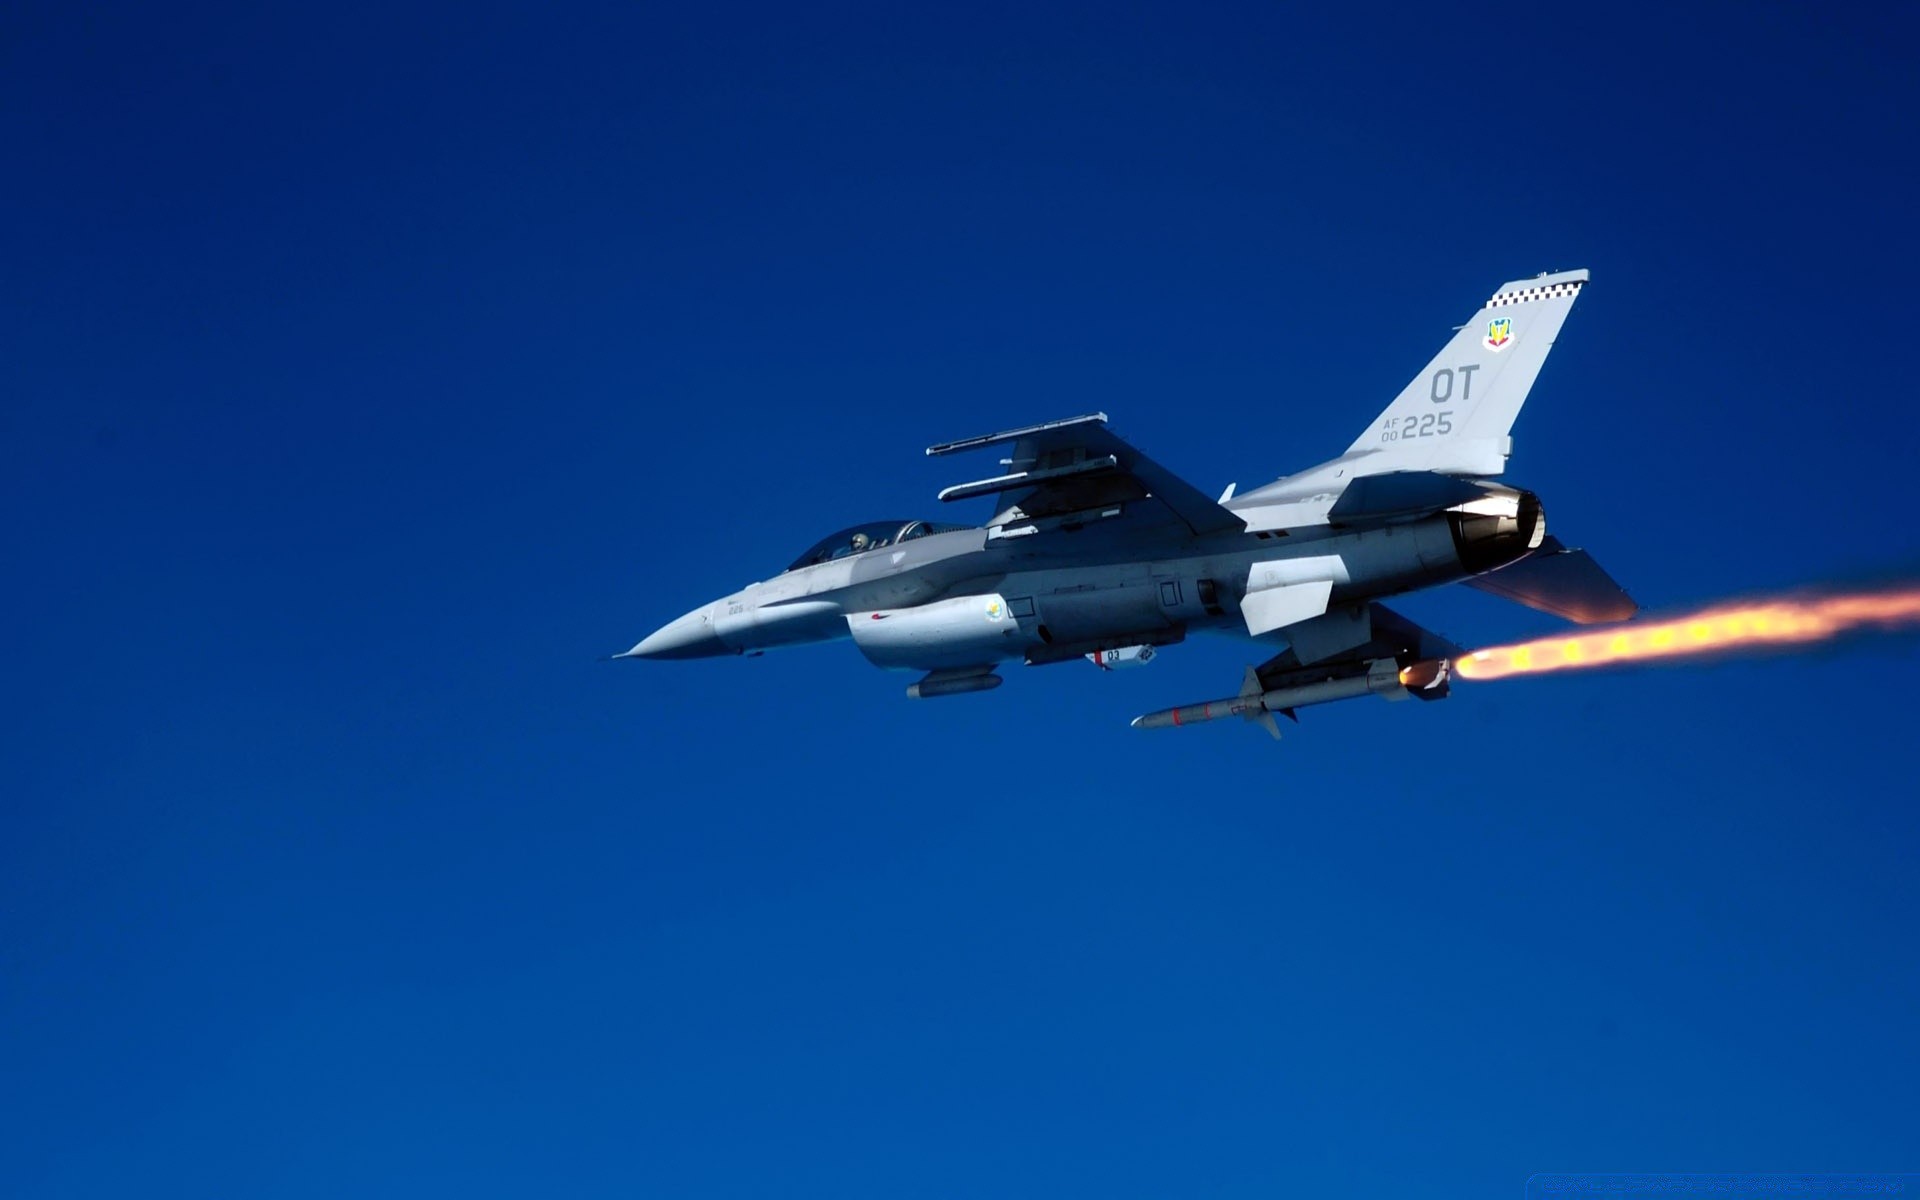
[(1096, 551)]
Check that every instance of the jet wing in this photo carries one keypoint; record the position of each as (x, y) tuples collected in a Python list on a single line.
[(1077, 466)]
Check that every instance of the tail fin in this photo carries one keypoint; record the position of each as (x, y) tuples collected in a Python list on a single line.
[(1454, 417)]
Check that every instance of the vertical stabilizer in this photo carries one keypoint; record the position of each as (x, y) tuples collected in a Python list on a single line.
[(1455, 415)]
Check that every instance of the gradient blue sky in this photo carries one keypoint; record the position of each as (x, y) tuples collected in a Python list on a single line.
[(371, 371)]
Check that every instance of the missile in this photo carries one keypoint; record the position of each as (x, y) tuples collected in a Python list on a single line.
[(1256, 702)]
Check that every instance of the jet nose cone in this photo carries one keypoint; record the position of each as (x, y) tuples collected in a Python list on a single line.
[(691, 636)]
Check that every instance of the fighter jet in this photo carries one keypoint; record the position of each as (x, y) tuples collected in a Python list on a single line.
[(1097, 552)]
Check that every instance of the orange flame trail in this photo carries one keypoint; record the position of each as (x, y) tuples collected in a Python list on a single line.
[(1768, 624)]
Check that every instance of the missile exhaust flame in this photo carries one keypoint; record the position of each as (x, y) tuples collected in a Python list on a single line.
[(1762, 625)]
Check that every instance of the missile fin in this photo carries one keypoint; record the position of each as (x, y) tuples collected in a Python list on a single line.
[(1252, 686)]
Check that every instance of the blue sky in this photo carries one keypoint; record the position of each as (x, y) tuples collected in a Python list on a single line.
[(372, 372)]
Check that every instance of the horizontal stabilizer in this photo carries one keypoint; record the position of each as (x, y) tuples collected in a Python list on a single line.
[(1566, 583), (1403, 492)]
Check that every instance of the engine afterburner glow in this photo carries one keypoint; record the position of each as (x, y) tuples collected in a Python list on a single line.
[(1759, 625)]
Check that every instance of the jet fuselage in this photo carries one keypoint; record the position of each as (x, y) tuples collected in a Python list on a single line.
[(1076, 593)]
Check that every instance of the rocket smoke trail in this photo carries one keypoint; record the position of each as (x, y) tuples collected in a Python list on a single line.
[(1755, 625)]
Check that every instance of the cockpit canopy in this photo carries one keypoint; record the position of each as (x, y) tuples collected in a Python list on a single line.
[(861, 538)]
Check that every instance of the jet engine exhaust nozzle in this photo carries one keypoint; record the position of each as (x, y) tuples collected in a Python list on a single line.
[(1488, 541)]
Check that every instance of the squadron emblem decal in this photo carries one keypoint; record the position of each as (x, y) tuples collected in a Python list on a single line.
[(1499, 333)]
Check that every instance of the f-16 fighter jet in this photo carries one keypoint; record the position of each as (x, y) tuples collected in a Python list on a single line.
[(1097, 552)]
